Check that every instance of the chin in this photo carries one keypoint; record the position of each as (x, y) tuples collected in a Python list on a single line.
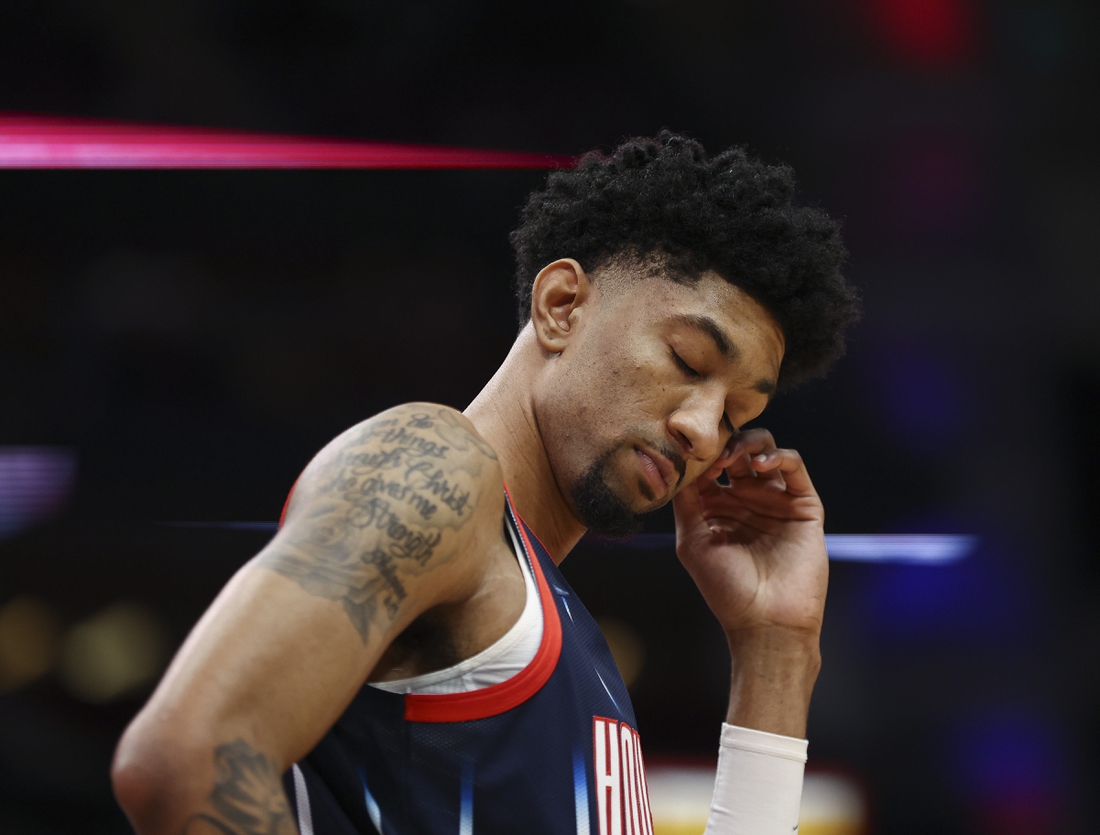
[(598, 505)]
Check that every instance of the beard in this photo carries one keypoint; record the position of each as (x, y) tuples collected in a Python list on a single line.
[(601, 511)]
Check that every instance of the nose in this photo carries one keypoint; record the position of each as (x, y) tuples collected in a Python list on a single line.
[(697, 425)]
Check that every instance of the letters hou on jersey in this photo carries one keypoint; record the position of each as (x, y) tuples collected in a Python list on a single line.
[(622, 797), (550, 751)]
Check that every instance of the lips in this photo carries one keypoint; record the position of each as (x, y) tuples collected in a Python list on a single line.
[(658, 471)]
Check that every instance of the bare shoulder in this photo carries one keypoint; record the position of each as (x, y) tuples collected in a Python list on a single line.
[(382, 510)]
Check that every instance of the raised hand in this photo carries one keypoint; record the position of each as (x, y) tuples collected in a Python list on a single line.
[(756, 550)]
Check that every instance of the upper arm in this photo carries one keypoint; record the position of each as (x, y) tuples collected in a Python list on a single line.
[(371, 539), (382, 509)]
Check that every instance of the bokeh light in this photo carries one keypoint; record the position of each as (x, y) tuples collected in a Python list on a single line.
[(30, 639), (35, 482), (929, 34), (1012, 763), (833, 802), (626, 646), (117, 651)]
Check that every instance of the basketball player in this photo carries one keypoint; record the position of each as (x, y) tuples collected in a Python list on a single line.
[(404, 657)]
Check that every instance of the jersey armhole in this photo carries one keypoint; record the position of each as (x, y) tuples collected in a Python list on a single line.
[(502, 697)]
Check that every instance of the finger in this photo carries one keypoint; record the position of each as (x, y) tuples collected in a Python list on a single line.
[(735, 458), (766, 470), (741, 467), (727, 458), (788, 464), (687, 508), (752, 441)]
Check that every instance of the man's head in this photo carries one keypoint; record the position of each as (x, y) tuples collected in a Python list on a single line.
[(664, 204), (671, 294)]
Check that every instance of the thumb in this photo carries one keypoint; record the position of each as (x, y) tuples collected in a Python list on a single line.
[(687, 508)]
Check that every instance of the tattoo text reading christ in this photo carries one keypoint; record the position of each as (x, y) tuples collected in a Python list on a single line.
[(389, 497)]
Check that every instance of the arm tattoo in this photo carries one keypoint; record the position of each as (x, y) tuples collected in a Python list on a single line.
[(386, 500), (248, 796), (458, 436)]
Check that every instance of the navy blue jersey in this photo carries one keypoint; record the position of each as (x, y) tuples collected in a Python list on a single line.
[(552, 750)]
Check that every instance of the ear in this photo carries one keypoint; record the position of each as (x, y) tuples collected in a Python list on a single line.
[(558, 298)]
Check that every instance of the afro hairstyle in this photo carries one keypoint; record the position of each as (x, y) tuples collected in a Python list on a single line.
[(662, 205)]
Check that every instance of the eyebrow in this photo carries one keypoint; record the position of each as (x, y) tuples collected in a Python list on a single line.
[(708, 327), (764, 387)]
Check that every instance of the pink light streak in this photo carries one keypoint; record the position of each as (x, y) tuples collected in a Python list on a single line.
[(56, 142)]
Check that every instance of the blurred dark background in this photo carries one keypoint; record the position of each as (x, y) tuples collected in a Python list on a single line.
[(175, 345)]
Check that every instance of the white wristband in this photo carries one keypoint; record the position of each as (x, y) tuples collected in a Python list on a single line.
[(758, 787)]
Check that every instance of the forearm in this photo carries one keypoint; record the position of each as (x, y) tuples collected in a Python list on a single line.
[(227, 789), (772, 678), (762, 755)]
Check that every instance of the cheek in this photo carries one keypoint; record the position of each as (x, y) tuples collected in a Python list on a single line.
[(633, 370), (615, 387), (627, 394)]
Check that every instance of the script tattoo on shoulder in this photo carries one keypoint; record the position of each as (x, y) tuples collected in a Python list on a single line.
[(248, 796), (388, 498)]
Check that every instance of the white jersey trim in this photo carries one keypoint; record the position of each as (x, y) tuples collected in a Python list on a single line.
[(301, 799), (495, 664)]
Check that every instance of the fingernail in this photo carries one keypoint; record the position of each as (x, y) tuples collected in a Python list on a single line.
[(761, 458)]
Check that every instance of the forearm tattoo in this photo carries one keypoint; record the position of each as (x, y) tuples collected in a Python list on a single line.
[(248, 796), (385, 503)]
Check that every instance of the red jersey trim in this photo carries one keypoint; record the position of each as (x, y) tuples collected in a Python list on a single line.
[(498, 698), (286, 504), (535, 535)]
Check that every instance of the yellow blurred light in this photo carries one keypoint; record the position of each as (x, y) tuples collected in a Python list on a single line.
[(827, 828), (626, 647), (679, 797), (30, 638), (832, 804), (113, 653)]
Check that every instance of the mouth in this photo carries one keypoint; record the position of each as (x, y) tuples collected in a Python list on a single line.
[(658, 473)]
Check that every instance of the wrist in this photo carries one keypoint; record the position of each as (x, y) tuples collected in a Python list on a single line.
[(772, 676), (781, 642)]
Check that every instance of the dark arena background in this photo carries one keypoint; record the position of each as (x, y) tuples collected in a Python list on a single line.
[(175, 344)]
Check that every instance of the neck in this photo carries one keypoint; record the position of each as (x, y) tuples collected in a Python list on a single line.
[(504, 413)]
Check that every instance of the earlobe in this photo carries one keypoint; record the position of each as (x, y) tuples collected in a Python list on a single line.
[(558, 295)]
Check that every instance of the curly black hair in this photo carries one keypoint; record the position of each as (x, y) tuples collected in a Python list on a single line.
[(664, 201)]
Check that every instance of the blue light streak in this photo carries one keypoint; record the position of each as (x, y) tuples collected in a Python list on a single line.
[(898, 548), (904, 548)]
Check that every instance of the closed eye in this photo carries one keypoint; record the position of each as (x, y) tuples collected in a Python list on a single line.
[(691, 372), (683, 366)]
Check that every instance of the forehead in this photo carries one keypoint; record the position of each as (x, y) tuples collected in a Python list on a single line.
[(672, 306)]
